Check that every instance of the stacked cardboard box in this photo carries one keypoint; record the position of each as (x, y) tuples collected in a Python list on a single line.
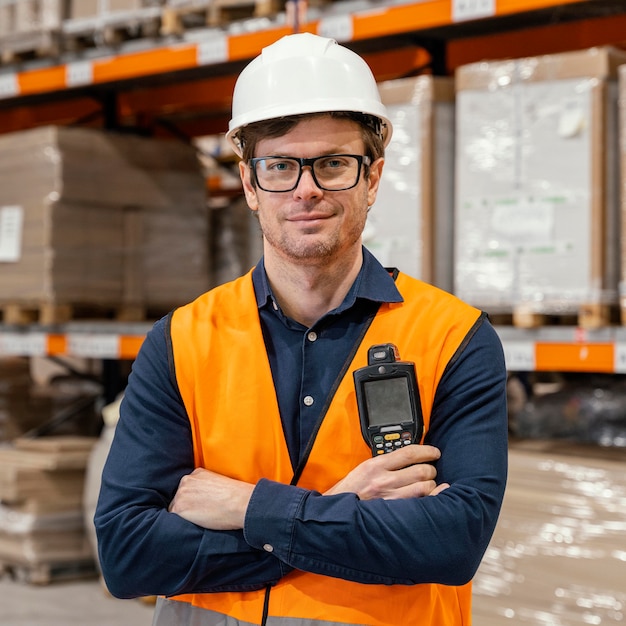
[(30, 26), (80, 9), (90, 218), (14, 385), (537, 192), (410, 226), (25, 16), (42, 532)]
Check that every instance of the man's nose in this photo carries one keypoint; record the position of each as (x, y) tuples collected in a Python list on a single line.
[(306, 185)]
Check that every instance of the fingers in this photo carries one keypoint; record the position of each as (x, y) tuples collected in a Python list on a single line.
[(409, 455), (439, 489), (414, 480)]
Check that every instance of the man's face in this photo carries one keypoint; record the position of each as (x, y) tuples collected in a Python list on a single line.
[(309, 224)]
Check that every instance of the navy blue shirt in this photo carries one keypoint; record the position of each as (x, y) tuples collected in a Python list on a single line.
[(306, 362), (146, 550)]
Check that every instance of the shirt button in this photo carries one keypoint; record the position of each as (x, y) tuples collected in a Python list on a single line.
[(308, 400), (268, 547), (312, 336)]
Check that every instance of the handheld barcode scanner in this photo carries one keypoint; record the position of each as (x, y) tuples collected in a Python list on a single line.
[(388, 400)]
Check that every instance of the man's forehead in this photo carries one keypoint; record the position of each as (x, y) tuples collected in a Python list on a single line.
[(325, 133)]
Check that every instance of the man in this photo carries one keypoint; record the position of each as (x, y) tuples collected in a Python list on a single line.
[(239, 485)]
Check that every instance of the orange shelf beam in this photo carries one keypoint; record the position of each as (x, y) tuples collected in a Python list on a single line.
[(387, 20), (575, 357)]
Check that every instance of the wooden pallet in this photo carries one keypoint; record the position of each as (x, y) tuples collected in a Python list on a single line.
[(181, 16), (47, 313), (590, 316)]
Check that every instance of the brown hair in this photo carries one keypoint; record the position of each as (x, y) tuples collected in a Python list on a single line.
[(250, 135)]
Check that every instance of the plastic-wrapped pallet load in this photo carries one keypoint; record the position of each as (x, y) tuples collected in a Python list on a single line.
[(558, 555), (30, 26), (622, 151), (96, 219), (537, 186), (410, 226)]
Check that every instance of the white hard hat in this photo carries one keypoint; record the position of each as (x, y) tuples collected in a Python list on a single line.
[(304, 73)]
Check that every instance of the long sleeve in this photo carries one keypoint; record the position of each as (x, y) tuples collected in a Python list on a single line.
[(433, 539), (144, 549)]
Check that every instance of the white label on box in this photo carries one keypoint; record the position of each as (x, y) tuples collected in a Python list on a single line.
[(79, 73), (9, 86), (519, 356), (92, 345), (619, 367), (11, 225), (472, 9), (23, 344), (214, 50), (338, 27)]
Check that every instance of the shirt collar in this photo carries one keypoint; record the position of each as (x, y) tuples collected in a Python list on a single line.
[(373, 282)]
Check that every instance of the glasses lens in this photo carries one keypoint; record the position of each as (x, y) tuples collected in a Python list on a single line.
[(333, 173), (336, 172), (277, 174)]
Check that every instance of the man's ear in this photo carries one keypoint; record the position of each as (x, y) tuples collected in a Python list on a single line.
[(248, 189)]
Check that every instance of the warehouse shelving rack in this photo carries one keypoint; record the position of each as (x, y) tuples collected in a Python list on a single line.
[(183, 84)]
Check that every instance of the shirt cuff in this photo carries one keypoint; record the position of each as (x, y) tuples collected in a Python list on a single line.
[(271, 515)]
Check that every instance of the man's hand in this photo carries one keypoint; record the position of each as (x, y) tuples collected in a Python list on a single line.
[(218, 502), (404, 473), (211, 500)]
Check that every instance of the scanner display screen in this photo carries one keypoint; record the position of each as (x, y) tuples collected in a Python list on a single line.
[(388, 401)]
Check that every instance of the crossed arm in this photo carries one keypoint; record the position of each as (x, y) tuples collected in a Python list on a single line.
[(218, 502), (167, 528)]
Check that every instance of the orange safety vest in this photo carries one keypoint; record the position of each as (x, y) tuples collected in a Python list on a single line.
[(219, 335)]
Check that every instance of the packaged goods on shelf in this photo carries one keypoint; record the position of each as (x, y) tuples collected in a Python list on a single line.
[(558, 551), (24, 16), (237, 242), (103, 220), (66, 403), (410, 226), (127, 16), (537, 186), (15, 383), (42, 530), (31, 27), (181, 15), (101, 8), (622, 150)]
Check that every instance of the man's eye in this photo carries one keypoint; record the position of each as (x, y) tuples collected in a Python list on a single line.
[(332, 164), (281, 166)]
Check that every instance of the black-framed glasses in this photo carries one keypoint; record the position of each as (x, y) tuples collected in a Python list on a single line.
[(331, 172)]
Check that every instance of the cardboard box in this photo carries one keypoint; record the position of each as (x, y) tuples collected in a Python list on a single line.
[(93, 218), (38, 15), (41, 493), (410, 226), (84, 8), (537, 191)]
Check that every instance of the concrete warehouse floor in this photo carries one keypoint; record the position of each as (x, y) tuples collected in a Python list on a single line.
[(77, 603)]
